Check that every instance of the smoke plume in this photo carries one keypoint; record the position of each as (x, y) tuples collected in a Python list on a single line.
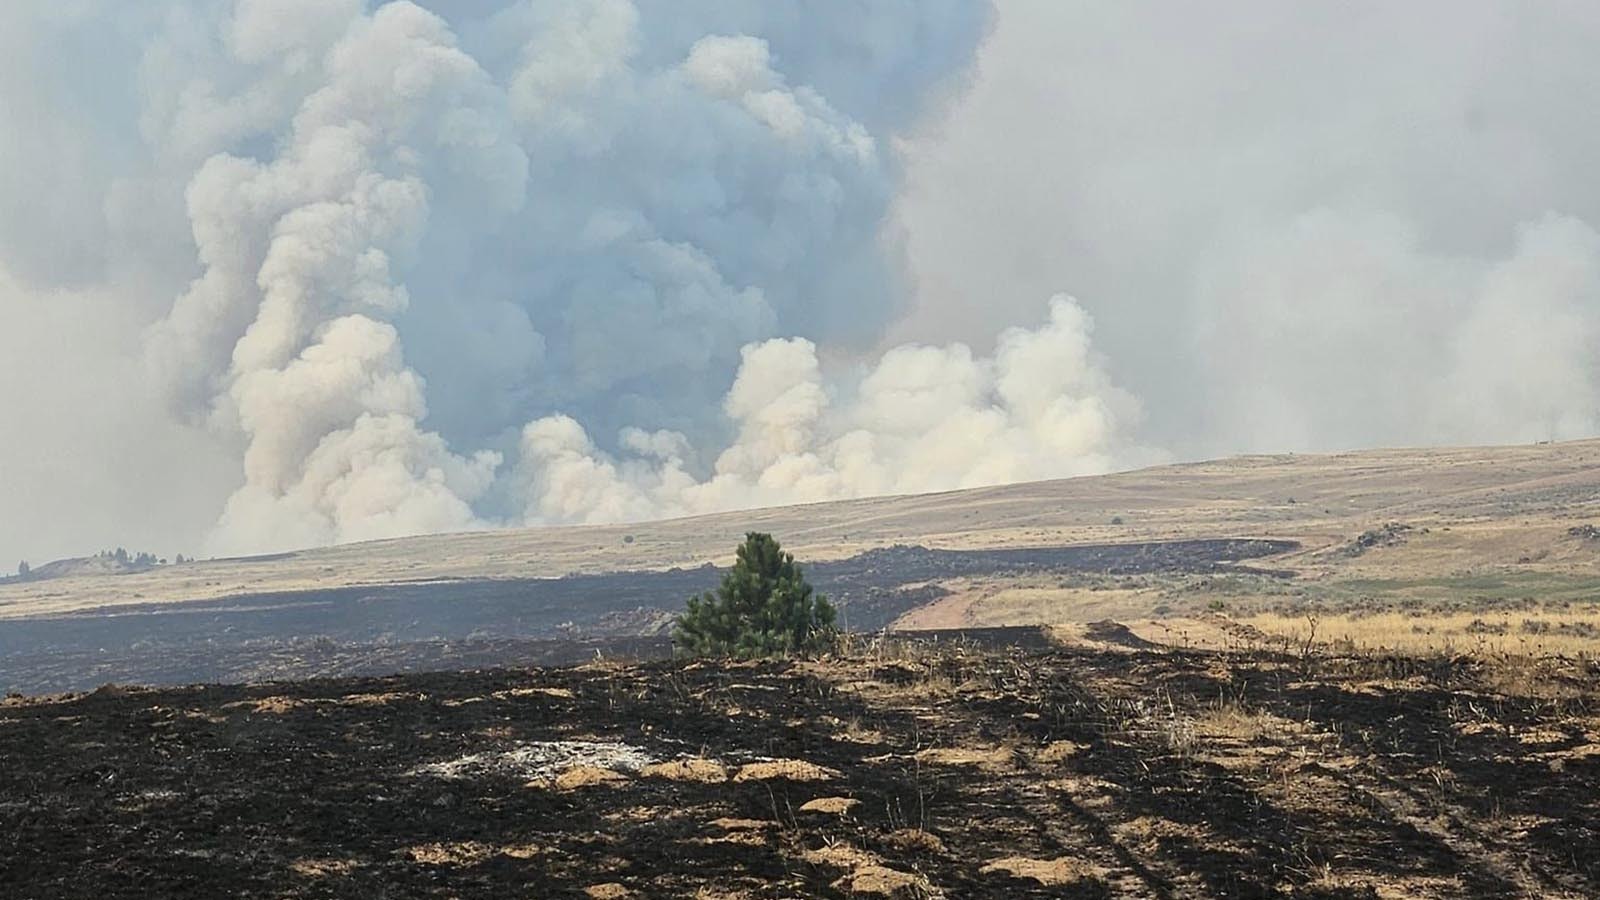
[(414, 231), (1299, 229), (922, 418), (278, 273)]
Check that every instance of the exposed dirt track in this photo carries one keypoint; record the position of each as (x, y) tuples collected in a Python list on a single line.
[(954, 772)]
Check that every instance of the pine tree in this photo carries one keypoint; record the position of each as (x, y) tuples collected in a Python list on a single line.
[(764, 607)]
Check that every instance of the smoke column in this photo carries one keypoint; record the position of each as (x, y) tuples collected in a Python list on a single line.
[(278, 273), (571, 261)]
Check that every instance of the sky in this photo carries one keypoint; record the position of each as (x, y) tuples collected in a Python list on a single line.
[(282, 274)]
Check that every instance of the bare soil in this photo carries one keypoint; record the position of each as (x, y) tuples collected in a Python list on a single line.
[(1072, 772)]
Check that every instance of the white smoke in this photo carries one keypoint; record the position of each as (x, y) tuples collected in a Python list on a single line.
[(1300, 229), (922, 419), (1522, 363), (1353, 327), (286, 331), (416, 235), (401, 266)]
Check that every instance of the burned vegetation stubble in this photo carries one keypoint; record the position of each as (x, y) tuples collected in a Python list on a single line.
[(974, 773), (483, 622)]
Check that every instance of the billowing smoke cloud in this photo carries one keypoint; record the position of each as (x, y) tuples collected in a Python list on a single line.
[(923, 418), (286, 272), (415, 231), (286, 334), (1299, 229)]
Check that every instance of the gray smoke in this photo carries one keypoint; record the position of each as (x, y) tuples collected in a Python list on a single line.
[(286, 272), (1299, 228), (374, 241)]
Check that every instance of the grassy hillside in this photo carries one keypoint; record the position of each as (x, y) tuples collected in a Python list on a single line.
[(1469, 510)]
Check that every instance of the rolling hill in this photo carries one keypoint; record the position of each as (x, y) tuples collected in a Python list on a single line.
[(1456, 530), (1503, 505)]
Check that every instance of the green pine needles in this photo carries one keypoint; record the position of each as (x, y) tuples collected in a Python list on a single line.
[(764, 607)]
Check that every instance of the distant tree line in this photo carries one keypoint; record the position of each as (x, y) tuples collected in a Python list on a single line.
[(139, 560), (120, 555)]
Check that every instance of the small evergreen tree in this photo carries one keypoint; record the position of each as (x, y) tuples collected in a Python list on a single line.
[(764, 607), (23, 569)]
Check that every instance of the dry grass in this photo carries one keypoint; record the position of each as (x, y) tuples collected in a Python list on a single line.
[(581, 777), (699, 771), (1233, 721), (1026, 600), (1572, 633), (1503, 505), (988, 759), (783, 769), (1048, 872), (832, 806)]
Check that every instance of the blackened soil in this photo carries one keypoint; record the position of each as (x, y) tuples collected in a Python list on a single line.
[(976, 773), (420, 626)]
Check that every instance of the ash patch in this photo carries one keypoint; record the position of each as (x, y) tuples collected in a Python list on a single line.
[(540, 759)]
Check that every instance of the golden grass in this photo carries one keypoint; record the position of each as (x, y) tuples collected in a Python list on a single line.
[(700, 771), (783, 769), (1048, 872), (990, 602), (1324, 501), (1574, 632), (1234, 722), (833, 806)]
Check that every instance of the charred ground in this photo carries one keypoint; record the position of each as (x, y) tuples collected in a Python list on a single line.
[(478, 622), (903, 770)]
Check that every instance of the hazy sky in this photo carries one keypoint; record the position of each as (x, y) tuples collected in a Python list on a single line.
[(1297, 226), (283, 273)]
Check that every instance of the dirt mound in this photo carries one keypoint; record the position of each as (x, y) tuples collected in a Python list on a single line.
[(701, 771), (1048, 872), (580, 777), (882, 881), (1107, 631), (833, 806), (784, 770)]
